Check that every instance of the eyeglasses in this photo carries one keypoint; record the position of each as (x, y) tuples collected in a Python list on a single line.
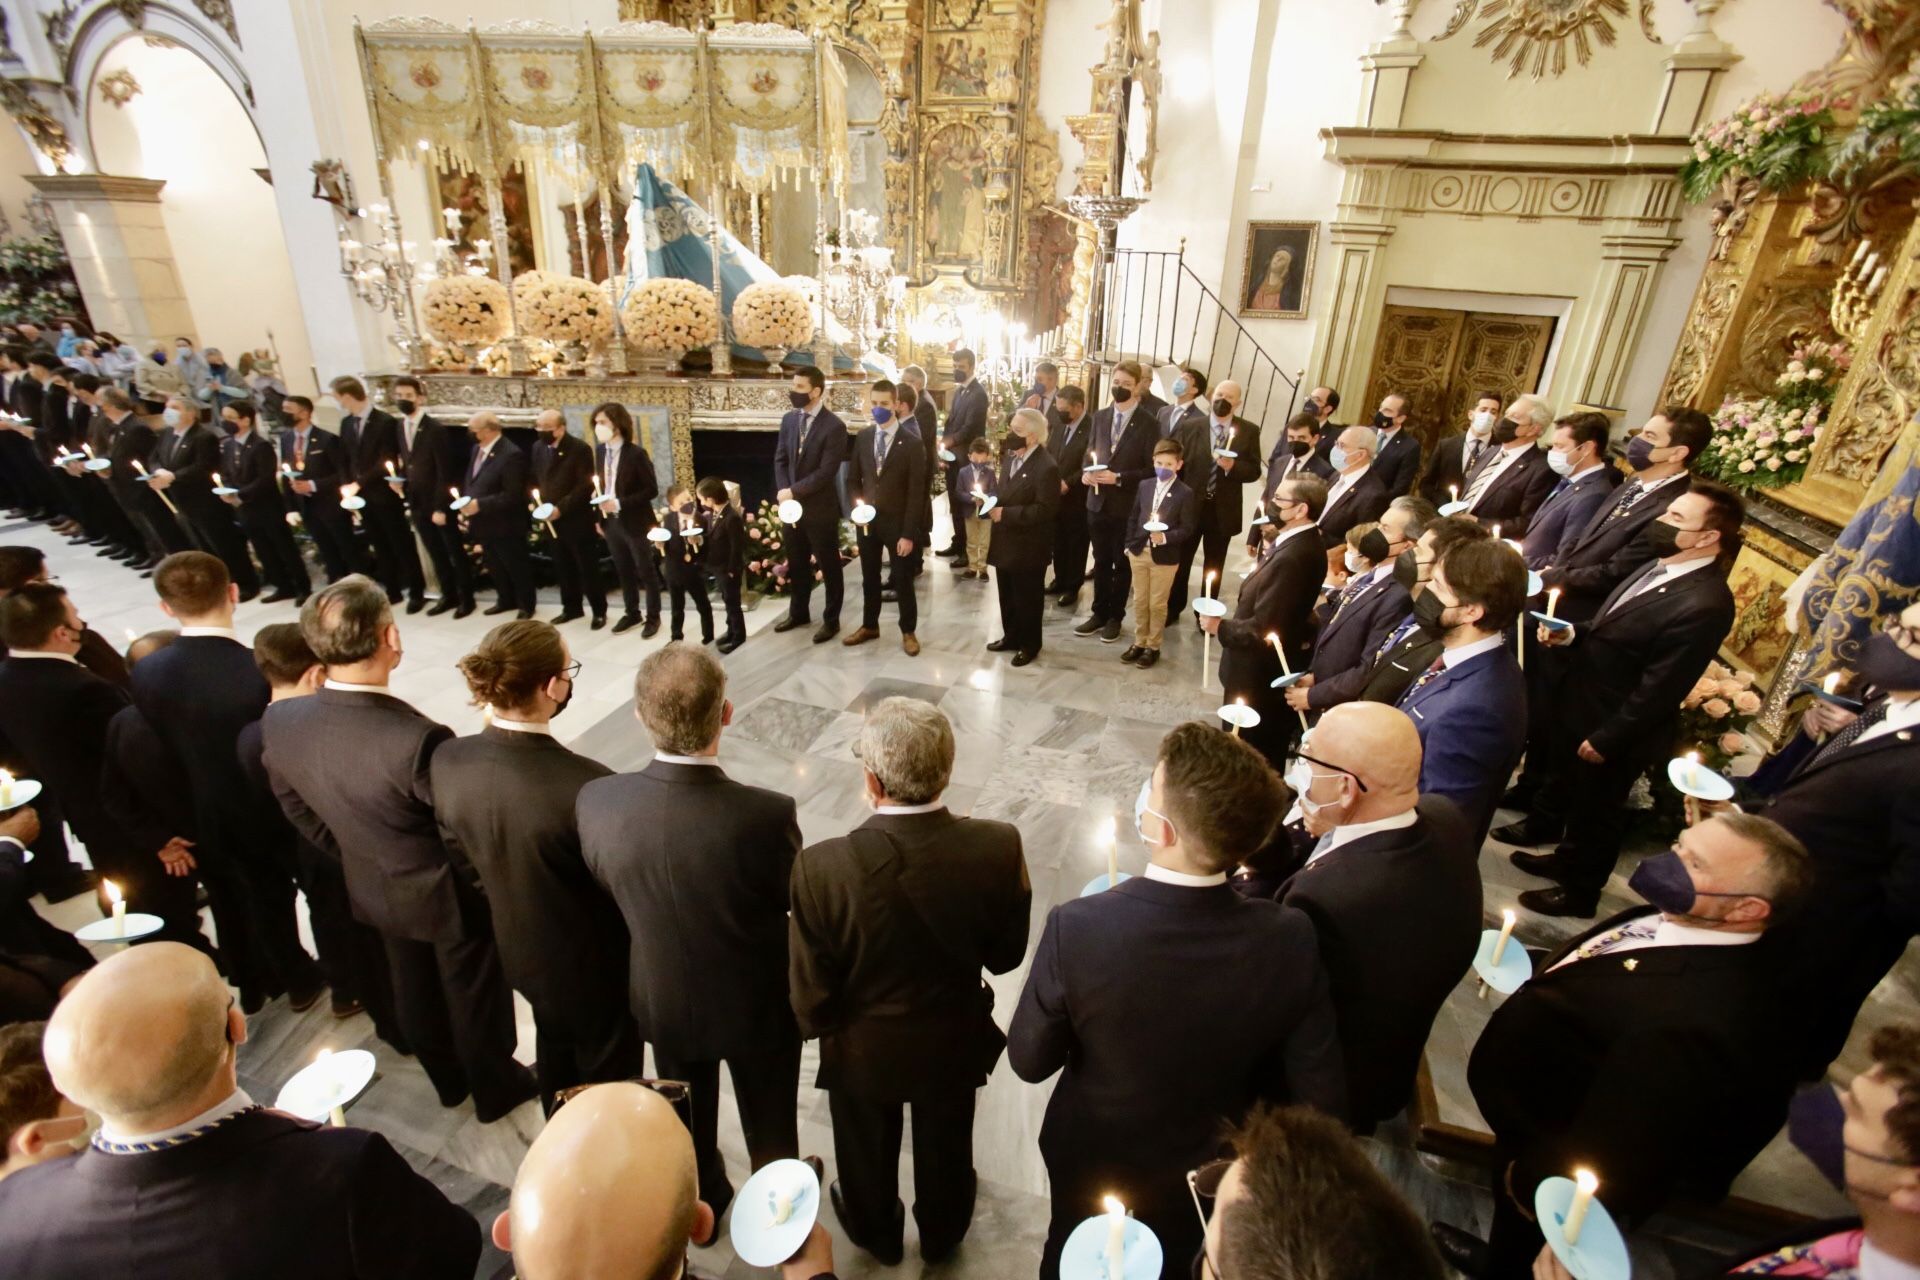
[(678, 1095), (571, 670), (1204, 1184), (1357, 781)]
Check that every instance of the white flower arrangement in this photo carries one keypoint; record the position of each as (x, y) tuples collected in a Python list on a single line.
[(772, 315), (563, 308), (1764, 443), (465, 311), (670, 316)]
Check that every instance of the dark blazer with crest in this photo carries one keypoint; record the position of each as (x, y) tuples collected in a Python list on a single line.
[(370, 444), (1607, 550), (1397, 463), (1516, 493), (1276, 599), (1029, 501), (563, 473), (431, 465), (1355, 631), (812, 470), (897, 490), (1130, 458), (1472, 719), (1179, 511), (1364, 500), (250, 466), (1447, 469), (326, 466), (1564, 513), (500, 487)]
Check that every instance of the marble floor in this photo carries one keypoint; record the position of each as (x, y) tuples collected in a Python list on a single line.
[(1055, 748)]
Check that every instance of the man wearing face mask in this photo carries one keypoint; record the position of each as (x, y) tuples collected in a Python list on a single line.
[(813, 444), (351, 768), (966, 422), (889, 473), (1373, 602), (495, 514), (1067, 441), (188, 455), (1513, 479), (1456, 455), (1356, 495), (1323, 403), (1188, 412), (1396, 462), (563, 473), (370, 442), (1217, 482), (248, 467), (1293, 454), (427, 465), (1121, 444), (1584, 481), (1628, 670), (1124, 998), (1646, 1049), (1023, 520)]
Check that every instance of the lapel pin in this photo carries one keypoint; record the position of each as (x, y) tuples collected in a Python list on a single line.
[(1631, 965)]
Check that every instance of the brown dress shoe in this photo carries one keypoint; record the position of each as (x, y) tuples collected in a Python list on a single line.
[(910, 644), (860, 636)]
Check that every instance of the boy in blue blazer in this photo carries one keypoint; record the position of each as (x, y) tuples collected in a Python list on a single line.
[(1154, 553), (976, 483)]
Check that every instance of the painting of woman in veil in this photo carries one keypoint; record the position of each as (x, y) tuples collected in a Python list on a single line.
[(1278, 269)]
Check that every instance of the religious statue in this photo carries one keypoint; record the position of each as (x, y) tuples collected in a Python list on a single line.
[(955, 214), (1146, 74)]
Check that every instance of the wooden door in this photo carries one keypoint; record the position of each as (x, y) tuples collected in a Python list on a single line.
[(1444, 360)]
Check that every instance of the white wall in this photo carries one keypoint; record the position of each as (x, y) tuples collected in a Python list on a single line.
[(16, 162)]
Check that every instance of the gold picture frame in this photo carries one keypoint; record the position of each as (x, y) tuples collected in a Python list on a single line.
[(1286, 298)]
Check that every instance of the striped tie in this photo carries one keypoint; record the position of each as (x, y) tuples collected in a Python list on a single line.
[(1629, 494), (1632, 931), (1400, 633)]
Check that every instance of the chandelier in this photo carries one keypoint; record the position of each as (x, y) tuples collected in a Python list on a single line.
[(862, 287)]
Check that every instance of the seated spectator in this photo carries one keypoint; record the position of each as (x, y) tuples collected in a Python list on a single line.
[(36, 1123)]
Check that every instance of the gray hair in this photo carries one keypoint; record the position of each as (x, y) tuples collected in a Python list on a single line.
[(916, 375), (908, 745), (1420, 514), (1035, 420), (1535, 409), (680, 692), (342, 622), (1361, 438)]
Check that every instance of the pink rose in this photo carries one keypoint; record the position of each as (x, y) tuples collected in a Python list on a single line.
[(1746, 702), (1717, 708), (1732, 743)]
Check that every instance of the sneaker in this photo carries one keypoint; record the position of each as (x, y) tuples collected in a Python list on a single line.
[(1088, 627), (1111, 633)]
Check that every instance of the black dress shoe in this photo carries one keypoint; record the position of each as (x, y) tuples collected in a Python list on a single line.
[(727, 646), (599, 621), (1466, 1253), (1066, 600), (1550, 865), (445, 604), (416, 604), (1520, 833), (247, 596), (651, 629), (1520, 798), (1147, 659), (465, 609), (493, 610), (949, 553), (571, 615), (522, 1088), (887, 1253), (628, 621), (1025, 656), (998, 646), (1560, 901), (1133, 651), (827, 631), (301, 1001), (524, 614), (789, 622)]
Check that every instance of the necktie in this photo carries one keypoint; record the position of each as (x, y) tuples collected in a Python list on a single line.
[(806, 424), (879, 451), (473, 469), (1558, 489), (299, 451), (1013, 465), (1473, 454), (1649, 577), (1835, 1257), (606, 466), (1629, 494), (1632, 931), (1427, 677), (1482, 481), (1851, 734), (1352, 593), (1400, 633), (406, 438)]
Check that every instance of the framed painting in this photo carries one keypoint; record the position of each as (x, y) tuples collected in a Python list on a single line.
[(1278, 270), (954, 196), (954, 66)]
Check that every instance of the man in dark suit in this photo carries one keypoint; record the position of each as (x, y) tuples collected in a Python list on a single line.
[(807, 458), (1373, 602), (1294, 453), (1389, 863), (1276, 599), (128, 439), (1068, 436), (128, 541), (504, 799), (187, 1175), (1122, 444), (427, 463), (1356, 495), (1630, 667), (495, 514), (1185, 419), (198, 693), (925, 422), (314, 465), (1023, 534), (1396, 462), (188, 455), (1455, 456), (370, 441), (699, 865), (966, 422), (351, 768), (1646, 1049), (1157, 1055), (891, 926), (889, 474), (1509, 483), (1218, 481), (1579, 458), (1470, 704), (33, 950), (563, 475), (626, 487), (248, 467), (54, 713)]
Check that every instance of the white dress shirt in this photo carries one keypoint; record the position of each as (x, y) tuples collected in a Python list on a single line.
[(225, 633), (44, 653), (1345, 482), (232, 1104), (499, 721), (1901, 716), (664, 758), (1664, 576), (1454, 657), (341, 686), (1165, 876), (932, 806), (1356, 830)]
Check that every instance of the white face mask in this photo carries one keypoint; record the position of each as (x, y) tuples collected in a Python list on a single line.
[(1354, 561), (603, 433), (1166, 827), (1482, 425), (1562, 465), (1300, 778), (171, 417)]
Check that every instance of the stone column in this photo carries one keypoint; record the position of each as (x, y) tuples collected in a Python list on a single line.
[(117, 241), (1343, 349), (1629, 271)]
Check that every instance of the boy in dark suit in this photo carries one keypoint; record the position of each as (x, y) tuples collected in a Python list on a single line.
[(977, 483), (686, 561), (806, 465), (1154, 554), (726, 556)]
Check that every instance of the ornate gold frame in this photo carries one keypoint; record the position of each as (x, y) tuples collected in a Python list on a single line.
[(1306, 272)]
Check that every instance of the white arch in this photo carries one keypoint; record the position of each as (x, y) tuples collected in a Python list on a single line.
[(106, 27)]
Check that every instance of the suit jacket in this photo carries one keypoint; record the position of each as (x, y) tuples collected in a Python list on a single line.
[(133, 441), (325, 464), (1633, 665), (1656, 1068), (1179, 511), (370, 445), (634, 483), (1125, 1000), (897, 491), (352, 773), (1389, 677), (500, 487), (1420, 886), (1223, 514), (683, 555), (927, 414), (1565, 513), (1472, 719), (25, 933), (1512, 497), (143, 786), (193, 456), (199, 693), (504, 801), (1447, 469), (966, 416), (261, 1195), (1281, 464), (1029, 501), (563, 473), (1348, 641), (250, 466), (887, 940), (727, 544), (54, 715), (1276, 599), (1067, 446), (1130, 458), (812, 469), (1188, 426), (1397, 463), (698, 865), (1607, 550), (430, 465), (1364, 500)]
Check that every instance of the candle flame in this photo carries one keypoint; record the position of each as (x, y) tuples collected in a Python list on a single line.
[(323, 1055), (1507, 916), (1586, 1180), (1105, 830), (1113, 1206), (390, 470), (216, 481), (6, 779), (1832, 682), (1693, 758), (536, 497), (113, 892)]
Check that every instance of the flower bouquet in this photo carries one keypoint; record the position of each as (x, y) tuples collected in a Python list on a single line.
[(465, 312), (670, 317), (1766, 443), (766, 550), (1777, 140), (773, 316), (566, 310), (1715, 714), (1889, 130)]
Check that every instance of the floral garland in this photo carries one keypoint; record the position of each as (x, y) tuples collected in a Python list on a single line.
[(1766, 443), (563, 308), (1888, 129), (670, 316), (465, 311), (1778, 140), (1715, 714), (767, 550), (772, 315)]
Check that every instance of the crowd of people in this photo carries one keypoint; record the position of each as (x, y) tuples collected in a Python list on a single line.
[(1326, 861)]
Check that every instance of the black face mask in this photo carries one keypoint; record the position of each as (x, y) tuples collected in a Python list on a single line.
[(1223, 408), (1122, 394), (1886, 666), (1428, 612), (800, 399), (1011, 444), (564, 702), (406, 407), (1406, 569), (1381, 422), (1506, 431), (1663, 538), (1299, 448)]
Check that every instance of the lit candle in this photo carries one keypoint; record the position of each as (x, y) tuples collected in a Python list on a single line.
[(1827, 686), (391, 474), (1454, 489), (1273, 638), (119, 908), (536, 497), (1116, 1237), (1496, 533), (1553, 600), (216, 481), (1506, 931), (1693, 770), (6, 790), (1109, 833), (87, 449), (1584, 1185), (337, 1114), (1238, 702), (1210, 580)]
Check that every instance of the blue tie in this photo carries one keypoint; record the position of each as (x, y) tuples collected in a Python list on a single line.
[(1352, 593), (1400, 633), (1559, 489)]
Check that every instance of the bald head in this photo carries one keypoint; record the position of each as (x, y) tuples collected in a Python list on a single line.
[(606, 1192), (1229, 391), (148, 645), (484, 426), (551, 421), (1379, 745), (145, 1038)]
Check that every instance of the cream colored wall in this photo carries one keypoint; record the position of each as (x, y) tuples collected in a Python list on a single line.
[(16, 162)]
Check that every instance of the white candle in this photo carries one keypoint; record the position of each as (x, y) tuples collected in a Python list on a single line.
[(1210, 581), (1454, 489), (6, 789), (1584, 1185), (1506, 931), (1496, 533), (536, 497), (1693, 770), (119, 908), (391, 474), (1238, 702), (1109, 832), (1553, 600), (216, 481), (1827, 686), (1116, 1237)]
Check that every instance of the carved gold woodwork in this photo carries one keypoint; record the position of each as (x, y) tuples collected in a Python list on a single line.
[(1442, 360), (1759, 580)]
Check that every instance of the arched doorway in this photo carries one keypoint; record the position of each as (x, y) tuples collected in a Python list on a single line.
[(182, 124)]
